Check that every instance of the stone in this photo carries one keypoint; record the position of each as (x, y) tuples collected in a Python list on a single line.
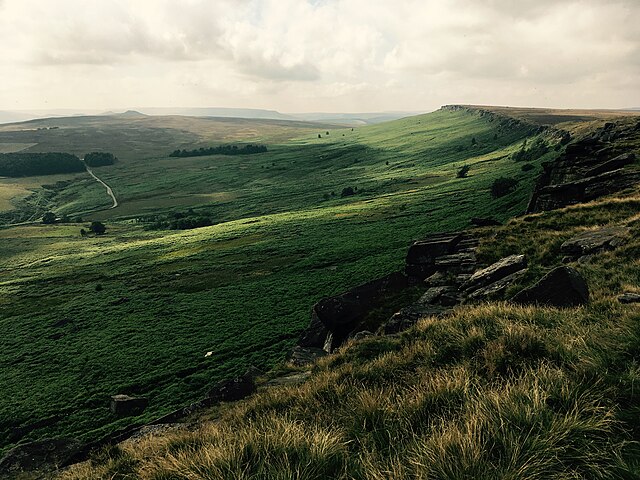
[(456, 262), (315, 334), (629, 297), (502, 268), (420, 261), (361, 335), (232, 390), (438, 279), (409, 316), (484, 222), (561, 287), (343, 313), (292, 379), (127, 406), (42, 454), (594, 241), (446, 295), (301, 356), (613, 164), (496, 289)]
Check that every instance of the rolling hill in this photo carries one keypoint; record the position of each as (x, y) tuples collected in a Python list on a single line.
[(166, 314)]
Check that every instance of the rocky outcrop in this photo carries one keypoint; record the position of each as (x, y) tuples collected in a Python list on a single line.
[(442, 252), (126, 406), (484, 222), (498, 271), (589, 168), (594, 241), (561, 287), (333, 319)]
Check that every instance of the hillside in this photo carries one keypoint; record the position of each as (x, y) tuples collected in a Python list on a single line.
[(135, 311), (490, 390)]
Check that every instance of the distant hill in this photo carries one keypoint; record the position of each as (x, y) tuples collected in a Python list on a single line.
[(353, 118), (217, 112)]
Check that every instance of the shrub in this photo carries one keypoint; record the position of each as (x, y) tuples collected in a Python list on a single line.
[(527, 167), (502, 186), (49, 218), (98, 159), (98, 228), (347, 192), (462, 173)]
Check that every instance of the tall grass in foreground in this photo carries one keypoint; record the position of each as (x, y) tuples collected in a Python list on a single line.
[(494, 391)]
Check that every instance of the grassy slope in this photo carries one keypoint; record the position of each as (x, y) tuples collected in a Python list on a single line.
[(135, 311), (493, 391)]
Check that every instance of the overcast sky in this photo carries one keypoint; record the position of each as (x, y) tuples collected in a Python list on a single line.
[(319, 55)]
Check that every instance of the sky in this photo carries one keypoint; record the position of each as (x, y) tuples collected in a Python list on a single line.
[(319, 55)]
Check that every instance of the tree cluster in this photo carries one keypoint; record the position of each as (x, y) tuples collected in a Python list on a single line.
[(99, 159), (502, 186), (30, 164), (220, 150)]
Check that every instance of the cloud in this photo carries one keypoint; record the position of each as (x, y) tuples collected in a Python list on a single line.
[(297, 54)]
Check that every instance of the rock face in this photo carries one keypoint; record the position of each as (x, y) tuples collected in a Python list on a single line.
[(594, 241), (561, 287), (333, 319), (232, 390), (421, 257), (127, 406), (589, 168), (32, 456), (499, 270), (496, 289)]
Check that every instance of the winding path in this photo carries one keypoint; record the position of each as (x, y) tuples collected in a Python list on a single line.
[(109, 191)]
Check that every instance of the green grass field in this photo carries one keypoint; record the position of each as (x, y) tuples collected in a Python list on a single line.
[(135, 311)]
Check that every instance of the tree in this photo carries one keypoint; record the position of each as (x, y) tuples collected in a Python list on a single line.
[(347, 192), (83, 232), (49, 218), (503, 186), (319, 136), (97, 227), (462, 173)]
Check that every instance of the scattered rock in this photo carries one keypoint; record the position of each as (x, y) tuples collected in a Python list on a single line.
[(629, 297), (293, 379), (484, 222), (127, 406), (497, 288), (594, 241), (409, 316), (232, 390), (46, 453), (561, 287), (495, 272), (301, 356), (446, 296)]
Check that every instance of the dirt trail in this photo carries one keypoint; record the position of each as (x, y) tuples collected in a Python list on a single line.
[(109, 191)]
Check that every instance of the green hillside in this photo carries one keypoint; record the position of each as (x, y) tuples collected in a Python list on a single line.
[(136, 310)]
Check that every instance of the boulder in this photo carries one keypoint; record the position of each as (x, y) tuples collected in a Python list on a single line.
[(361, 335), (342, 314), (496, 289), (629, 297), (42, 454), (594, 241), (463, 262), (127, 406), (484, 222), (502, 268), (420, 261), (446, 295), (409, 316), (315, 334), (301, 356), (561, 287), (232, 390)]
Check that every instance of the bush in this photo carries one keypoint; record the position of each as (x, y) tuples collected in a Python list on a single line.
[(527, 167), (536, 150), (98, 228), (98, 159), (462, 173), (220, 150), (49, 218), (503, 186), (347, 192)]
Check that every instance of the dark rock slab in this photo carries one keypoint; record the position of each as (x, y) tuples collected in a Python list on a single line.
[(315, 334), (42, 454), (629, 297), (594, 241), (613, 164), (420, 261), (496, 289), (127, 406), (502, 268), (484, 222), (409, 316), (232, 390), (561, 287)]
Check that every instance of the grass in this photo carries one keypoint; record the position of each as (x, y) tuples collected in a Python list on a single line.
[(492, 391), (135, 311)]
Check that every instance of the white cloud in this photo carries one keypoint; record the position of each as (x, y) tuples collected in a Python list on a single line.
[(318, 55)]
